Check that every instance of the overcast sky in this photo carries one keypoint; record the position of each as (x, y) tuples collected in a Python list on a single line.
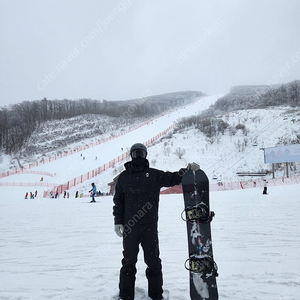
[(117, 50)]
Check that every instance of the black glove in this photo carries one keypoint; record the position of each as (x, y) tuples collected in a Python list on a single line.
[(182, 171)]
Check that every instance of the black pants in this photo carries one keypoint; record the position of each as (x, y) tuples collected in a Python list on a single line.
[(146, 235)]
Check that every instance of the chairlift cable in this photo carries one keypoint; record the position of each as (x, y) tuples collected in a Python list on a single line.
[(260, 132)]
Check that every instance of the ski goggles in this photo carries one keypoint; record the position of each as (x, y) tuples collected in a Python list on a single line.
[(138, 152)]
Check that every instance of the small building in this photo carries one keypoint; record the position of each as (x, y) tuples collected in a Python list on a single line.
[(112, 185)]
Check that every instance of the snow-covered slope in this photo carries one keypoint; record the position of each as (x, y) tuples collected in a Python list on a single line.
[(66, 248)]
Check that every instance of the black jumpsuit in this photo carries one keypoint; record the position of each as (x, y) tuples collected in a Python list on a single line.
[(136, 208)]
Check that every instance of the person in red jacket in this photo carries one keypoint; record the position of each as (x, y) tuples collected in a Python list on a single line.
[(135, 216)]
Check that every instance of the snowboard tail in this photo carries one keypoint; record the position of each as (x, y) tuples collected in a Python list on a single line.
[(201, 265)]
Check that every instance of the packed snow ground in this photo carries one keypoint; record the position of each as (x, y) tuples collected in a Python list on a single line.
[(67, 249)]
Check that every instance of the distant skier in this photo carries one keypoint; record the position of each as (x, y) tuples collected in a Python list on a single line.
[(265, 187), (35, 193), (93, 191), (26, 195)]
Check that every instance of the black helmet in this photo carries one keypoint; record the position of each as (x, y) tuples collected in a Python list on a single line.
[(138, 149), (93, 184)]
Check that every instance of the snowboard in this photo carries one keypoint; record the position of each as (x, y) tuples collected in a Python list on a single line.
[(197, 214)]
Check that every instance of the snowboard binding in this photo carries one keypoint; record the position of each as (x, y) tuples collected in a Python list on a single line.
[(203, 265), (199, 213)]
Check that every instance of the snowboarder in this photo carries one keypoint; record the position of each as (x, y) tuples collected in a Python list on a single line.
[(265, 187), (93, 192), (135, 217)]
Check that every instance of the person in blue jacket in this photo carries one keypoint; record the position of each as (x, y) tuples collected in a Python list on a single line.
[(93, 191)]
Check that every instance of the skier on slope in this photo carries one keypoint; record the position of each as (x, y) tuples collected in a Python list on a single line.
[(93, 191), (265, 191), (135, 216)]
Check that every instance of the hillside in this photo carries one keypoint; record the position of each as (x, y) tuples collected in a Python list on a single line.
[(57, 136), (20, 124), (225, 155), (221, 157), (234, 148), (35, 130), (260, 96), (60, 136)]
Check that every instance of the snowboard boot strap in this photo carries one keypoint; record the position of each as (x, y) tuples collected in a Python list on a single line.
[(198, 213), (203, 265)]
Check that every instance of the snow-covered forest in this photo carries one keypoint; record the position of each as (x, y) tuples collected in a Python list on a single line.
[(247, 97)]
